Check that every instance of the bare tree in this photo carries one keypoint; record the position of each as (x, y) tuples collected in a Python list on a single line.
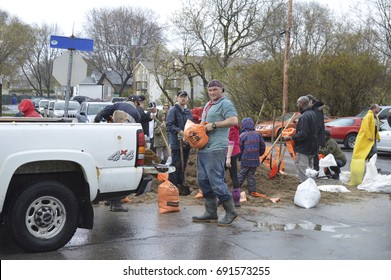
[(121, 36), (165, 71), (38, 65), (378, 26), (313, 29), (221, 31)]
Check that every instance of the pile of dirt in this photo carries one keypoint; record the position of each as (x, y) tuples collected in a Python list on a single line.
[(282, 186)]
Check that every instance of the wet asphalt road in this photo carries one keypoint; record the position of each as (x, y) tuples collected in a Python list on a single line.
[(354, 231)]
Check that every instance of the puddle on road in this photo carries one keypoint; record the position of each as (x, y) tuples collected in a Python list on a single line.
[(306, 225)]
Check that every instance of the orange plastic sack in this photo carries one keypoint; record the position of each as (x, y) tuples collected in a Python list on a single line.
[(168, 197), (288, 132), (290, 144), (195, 135), (162, 176)]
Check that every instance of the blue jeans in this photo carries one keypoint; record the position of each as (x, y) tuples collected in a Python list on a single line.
[(211, 174)]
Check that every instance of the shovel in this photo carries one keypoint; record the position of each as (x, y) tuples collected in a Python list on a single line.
[(278, 138), (276, 167), (274, 121), (272, 199), (181, 152), (260, 112), (169, 159)]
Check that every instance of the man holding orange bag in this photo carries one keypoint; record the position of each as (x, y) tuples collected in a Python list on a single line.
[(219, 114)]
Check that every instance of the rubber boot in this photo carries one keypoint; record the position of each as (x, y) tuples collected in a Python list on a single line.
[(116, 206), (230, 213), (210, 215), (236, 197)]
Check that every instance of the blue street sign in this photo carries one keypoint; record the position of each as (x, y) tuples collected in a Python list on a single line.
[(70, 43)]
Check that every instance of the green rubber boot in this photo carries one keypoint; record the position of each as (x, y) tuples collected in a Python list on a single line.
[(210, 215)]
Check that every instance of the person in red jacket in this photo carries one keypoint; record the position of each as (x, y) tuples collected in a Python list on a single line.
[(231, 162), (26, 107), (197, 114)]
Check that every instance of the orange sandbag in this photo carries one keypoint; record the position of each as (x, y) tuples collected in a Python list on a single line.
[(195, 135), (288, 132), (168, 197), (290, 144), (162, 176)]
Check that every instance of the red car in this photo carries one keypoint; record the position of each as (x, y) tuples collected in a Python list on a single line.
[(266, 128), (344, 130)]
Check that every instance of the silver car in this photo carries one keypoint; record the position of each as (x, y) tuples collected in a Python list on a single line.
[(43, 107), (59, 109), (385, 138), (88, 110)]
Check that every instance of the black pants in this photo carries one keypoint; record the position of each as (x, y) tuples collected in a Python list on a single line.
[(336, 169), (233, 171), (316, 160)]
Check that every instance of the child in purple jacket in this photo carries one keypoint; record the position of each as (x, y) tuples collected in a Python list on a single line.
[(252, 147)]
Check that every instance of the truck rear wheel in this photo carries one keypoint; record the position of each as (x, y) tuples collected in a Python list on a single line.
[(43, 217)]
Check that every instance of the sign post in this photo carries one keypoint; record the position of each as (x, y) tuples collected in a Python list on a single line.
[(72, 44)]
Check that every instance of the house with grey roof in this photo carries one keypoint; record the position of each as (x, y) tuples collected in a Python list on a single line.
[(102, 86)]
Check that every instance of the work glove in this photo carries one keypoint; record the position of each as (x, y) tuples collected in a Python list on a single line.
[(180, 134)]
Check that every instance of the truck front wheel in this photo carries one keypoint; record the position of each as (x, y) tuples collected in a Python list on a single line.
[(43, 217)]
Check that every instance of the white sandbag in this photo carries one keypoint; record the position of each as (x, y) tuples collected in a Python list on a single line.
[(370, 169), (307, 194), (344, 177), (379, 183), (327, 161), (311, 173), (333, 188)]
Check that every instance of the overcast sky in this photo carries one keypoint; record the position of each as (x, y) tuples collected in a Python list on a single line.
[(70, 13)]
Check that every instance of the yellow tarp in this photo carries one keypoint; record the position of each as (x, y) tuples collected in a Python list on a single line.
[(364, 142)]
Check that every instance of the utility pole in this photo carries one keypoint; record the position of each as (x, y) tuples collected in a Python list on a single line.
[(134, 70), (134, 44), (285, 104)]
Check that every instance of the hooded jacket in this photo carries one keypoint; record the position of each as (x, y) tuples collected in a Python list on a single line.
[(306, 133), (320, 127), (252, 144), (28, 110)]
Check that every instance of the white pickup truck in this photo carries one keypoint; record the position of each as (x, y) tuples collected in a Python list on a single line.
[(52, 170)]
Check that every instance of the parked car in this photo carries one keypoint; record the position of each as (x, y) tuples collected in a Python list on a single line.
[(50, 107), (345, 130), (266, 128), (43, 105), (59, 109), (36, 101), (79, 98), (118, 99), (383, 114), (88, 110), (385, 138)]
